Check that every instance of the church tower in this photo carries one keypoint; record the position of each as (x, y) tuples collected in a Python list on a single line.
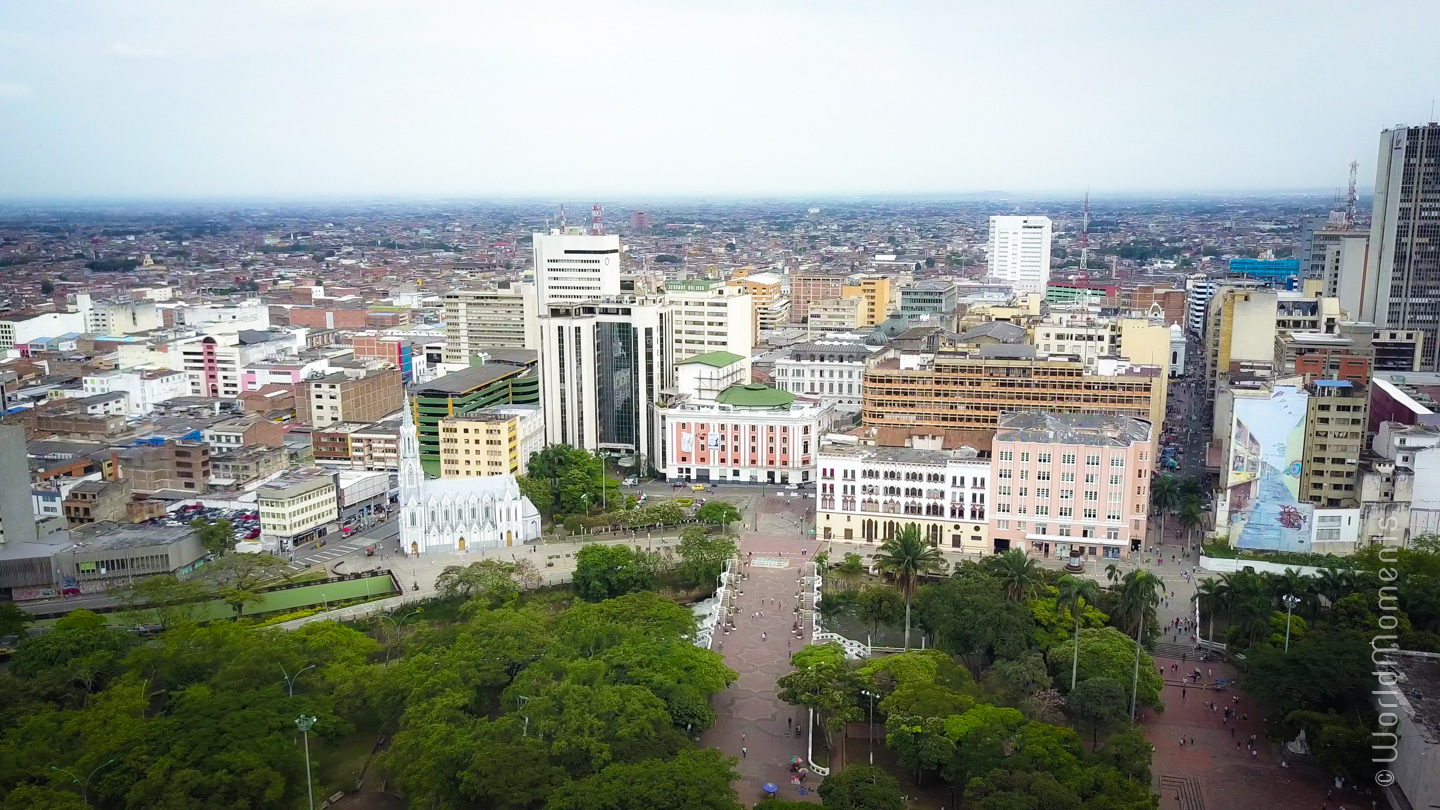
[(411, 479)]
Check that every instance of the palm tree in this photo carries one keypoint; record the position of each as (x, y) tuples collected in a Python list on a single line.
[(1018, 574), (1293, 583), (1192, 517), (1112, 573), (1209, 599), (906, 557), (1252, 620), (1164, 496), (1075, 594), (1139, 596)]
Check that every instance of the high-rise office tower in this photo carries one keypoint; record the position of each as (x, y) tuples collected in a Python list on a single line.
[(476, 320), (1020, 252), (17, 516), (572, 265), (1401, 287)]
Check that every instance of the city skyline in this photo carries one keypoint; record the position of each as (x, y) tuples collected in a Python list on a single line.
[(165, 100)]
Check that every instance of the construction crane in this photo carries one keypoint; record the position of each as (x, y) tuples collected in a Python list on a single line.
[(1352, 198)]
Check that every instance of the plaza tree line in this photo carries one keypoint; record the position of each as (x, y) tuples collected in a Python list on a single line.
[(1024, 696)]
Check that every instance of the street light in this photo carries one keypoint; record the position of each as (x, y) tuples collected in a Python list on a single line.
[(305, 723), (84, 786), (290, 679), (871, 735), (1290, 600)]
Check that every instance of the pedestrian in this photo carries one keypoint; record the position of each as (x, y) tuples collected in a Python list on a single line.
[(762, 636), (1182, 742), (1182, 693), (1254, 754), (1232, 731), (788, 722), (744, 751), (1210, 672), (1237, 746), (1192, 740)]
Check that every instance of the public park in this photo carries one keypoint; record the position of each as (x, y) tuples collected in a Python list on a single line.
[(701, 650)]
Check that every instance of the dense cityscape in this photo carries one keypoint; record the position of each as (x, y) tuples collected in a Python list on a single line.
[(657, 470)]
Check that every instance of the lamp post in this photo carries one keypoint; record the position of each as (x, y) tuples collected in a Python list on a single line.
[(305, 723), (85, 785), (290, 679), (1290, 600), (871, 695)]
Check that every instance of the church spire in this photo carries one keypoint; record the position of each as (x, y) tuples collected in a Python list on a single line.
[(410, 473)]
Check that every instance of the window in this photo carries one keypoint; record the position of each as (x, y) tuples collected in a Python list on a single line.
[(1067, 512), (1067, 477), (1042, 492), (1091, 478), (1090, 514), (1092, 496), (1068, 459), (1092, 461), (1002, 524), (1042, 458), (1007, 455), (1067, 494), (1114, 480), (1117, 461), (1042, 475), (1024, 458)]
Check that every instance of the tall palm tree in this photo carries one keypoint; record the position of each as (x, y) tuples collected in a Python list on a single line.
[(1139, 596), (1209, 598), (1164, 496), (1112, 573), (1018, 573), (1192, 517), (1075, 594), (906, 556), (1293, 583)]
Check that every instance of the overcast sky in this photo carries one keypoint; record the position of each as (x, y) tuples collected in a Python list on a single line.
[(302, 98)]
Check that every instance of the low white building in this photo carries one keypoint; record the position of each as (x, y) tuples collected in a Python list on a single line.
[(1177, 350), (867, 494), (833, 371), (144, 386)]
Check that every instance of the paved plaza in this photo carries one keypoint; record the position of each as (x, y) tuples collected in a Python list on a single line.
[(748, 714)]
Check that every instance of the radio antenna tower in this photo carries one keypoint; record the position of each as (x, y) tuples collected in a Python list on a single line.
[(562, 217), (597, 227), (1085, 235), (1351, 198)]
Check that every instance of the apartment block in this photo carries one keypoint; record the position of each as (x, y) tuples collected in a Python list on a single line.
[(397, 351), (836, 315), (349, 397), (475, 320), (709, 315), (832, 371), (1073, 486), (771, 309), (868, 494), (876, 292), (971, 389), (809, 286), (297, 507), (1335, 418), (181, 466), (488, 442), (144, 387), (467, 391)]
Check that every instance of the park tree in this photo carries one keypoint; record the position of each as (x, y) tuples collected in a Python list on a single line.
[(492, 582), (606, 571), (14, 620), (164, 599), (1325, 672), (906, 557), (703, 555), (824, 681), (718, 513), (861, 787), (217, 536), (1098, 703), (850, 569), (1108, 653), (696, 779), (239, 576), (879, 604)]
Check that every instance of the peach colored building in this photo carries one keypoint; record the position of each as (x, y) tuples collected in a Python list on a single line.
[(748, 433), (1069, 484)]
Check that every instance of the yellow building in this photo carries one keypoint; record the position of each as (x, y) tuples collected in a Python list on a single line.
[(876, 291), (480, 444), (770, 309)]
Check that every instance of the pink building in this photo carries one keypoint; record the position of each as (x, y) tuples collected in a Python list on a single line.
[(1070, 485), (746, 434)]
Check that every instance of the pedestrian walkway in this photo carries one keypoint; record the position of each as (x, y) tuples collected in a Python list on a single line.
[(748, 715)]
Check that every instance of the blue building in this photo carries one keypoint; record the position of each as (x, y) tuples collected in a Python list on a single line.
[(1273, 270)]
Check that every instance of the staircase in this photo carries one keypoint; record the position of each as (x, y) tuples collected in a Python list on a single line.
[(1186, 790)]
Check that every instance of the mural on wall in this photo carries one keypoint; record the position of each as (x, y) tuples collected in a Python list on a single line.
[(1267, 446)]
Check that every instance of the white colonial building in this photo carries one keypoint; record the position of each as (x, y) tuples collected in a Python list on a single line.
[(867, 494), (834, 371), (460, 514)]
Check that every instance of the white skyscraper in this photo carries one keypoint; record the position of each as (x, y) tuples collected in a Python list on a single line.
[(575, 266), (1020, 252)]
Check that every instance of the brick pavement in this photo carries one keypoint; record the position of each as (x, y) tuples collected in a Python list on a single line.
[(750, 706), (1211, 773)]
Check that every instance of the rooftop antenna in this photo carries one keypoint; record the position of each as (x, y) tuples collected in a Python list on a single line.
[(562, 217), (1351, 198), (597, 227), (1085, 235)]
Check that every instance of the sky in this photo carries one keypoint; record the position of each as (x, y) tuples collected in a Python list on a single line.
[(312, 99)]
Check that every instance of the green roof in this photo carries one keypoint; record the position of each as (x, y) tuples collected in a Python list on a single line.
[(716, 359), (755, 395)]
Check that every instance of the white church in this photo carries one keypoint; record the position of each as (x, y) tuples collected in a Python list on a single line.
[(461, 514)]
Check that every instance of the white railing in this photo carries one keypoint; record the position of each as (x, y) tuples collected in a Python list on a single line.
[(811, 582), (715, 617)]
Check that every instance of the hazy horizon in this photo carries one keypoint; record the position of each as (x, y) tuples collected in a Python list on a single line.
[(324, 100)]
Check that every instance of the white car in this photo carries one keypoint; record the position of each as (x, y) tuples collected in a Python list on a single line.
[(792, 486)]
